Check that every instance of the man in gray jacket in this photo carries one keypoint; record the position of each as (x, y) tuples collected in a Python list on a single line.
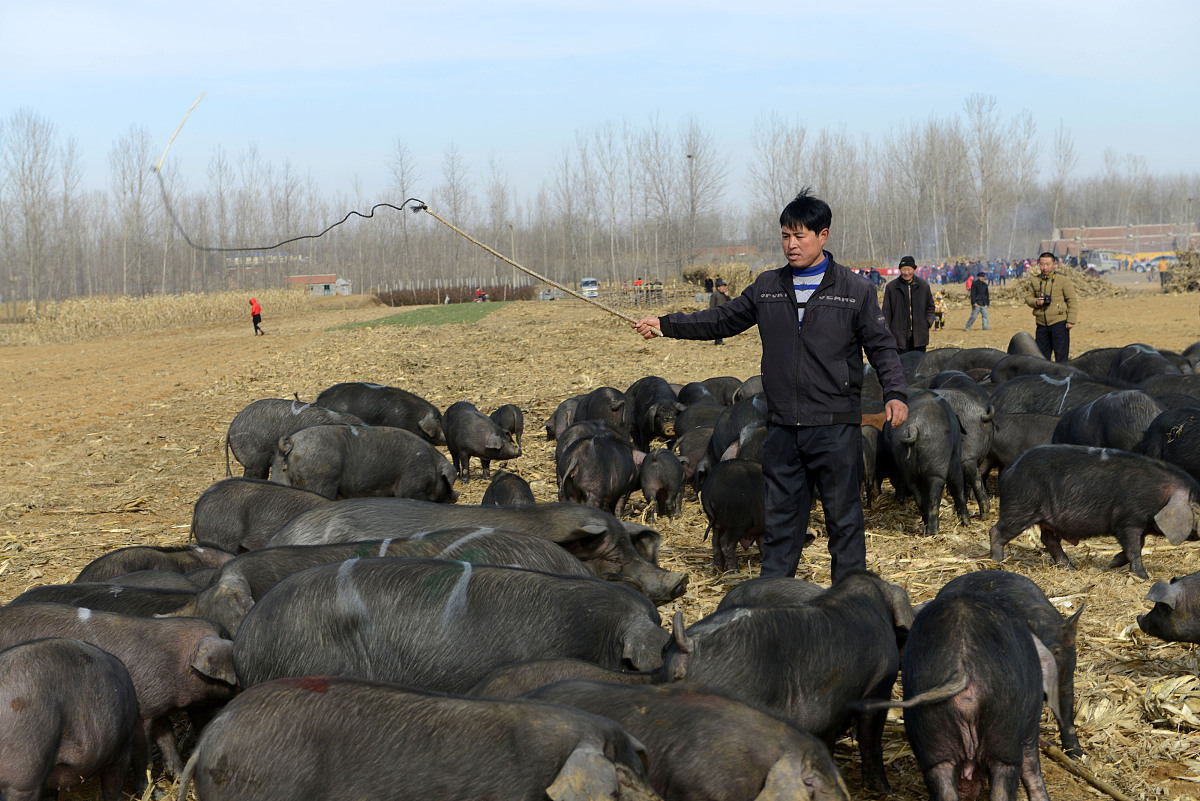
[(815, 318)]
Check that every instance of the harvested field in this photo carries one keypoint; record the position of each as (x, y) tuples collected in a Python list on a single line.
[(107, 442)]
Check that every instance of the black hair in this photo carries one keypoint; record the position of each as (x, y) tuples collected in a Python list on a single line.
[(806, 211), (1048, 255)]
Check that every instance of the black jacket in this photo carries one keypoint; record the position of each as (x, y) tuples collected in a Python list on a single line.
[(979, 293), (812, 375), (909, 307)]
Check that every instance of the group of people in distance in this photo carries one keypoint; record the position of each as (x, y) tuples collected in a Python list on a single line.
[(807, 311)]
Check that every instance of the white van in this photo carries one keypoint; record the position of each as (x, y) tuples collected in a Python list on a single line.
[(589, 287)]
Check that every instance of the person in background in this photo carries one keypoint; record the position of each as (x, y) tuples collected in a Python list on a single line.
[(908, 308), (256, 316), (979, 301), (939, 309), (1052, 297), (815, 319)]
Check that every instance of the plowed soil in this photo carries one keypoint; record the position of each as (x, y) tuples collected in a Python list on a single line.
[(108, 443)]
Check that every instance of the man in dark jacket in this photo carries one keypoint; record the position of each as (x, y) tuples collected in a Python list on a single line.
[(815, 319), (979, 301), (908, 308)]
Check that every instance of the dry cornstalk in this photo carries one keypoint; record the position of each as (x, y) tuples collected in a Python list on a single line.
[(1071, 766)]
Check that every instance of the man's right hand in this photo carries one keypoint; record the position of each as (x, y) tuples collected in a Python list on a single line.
[(648, 327)]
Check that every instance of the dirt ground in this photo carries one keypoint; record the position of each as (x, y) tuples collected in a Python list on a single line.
[(109, 442)]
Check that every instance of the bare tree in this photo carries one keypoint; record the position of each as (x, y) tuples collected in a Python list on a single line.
[(1023, 161), (986, 146), (705, 179), (27, 158), (1063, 162), (405, 177), (129, 163)]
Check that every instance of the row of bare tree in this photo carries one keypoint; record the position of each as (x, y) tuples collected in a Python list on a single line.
[(617, 202)]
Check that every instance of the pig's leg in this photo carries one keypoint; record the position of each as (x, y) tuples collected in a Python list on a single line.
[(1054, 548), (718, 553), (1000, 535), (1031, 773), (942, 782), (1002, 781), (487, 465), (870, 749), (112, 778), (931, 501), (1131, 549), (163, 736)]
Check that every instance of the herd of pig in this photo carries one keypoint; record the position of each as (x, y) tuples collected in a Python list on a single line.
[(345, 629)]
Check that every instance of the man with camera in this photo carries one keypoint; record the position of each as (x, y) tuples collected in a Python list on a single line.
[(1052, 297)]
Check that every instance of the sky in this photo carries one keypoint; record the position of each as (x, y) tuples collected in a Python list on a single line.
[(330, 88)]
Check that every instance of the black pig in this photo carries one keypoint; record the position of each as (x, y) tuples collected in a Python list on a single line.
[(508, 489), (1176, 613), (470, 432), (257, 429), (241, 514), (733, 499), (661, 479), (511, 419), (176, 558), (385, 406)]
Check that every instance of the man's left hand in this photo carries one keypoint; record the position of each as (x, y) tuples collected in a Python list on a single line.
[(896, 412)]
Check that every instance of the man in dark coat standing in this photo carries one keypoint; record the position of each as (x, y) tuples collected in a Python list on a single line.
[(979, 301), (908, 308)]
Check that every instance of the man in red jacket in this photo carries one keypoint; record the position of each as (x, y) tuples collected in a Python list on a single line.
[(256, 316)]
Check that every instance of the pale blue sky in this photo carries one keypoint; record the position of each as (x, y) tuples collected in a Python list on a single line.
[(329, 87)]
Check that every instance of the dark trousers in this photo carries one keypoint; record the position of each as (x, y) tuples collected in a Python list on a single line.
[(1053, 338), (796, 461)]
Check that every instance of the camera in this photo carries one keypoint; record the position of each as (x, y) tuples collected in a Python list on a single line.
[(1045, 300)]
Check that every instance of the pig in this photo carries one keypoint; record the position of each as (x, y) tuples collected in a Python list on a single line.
[(770, 591), (246, 579), (927, 452), (608, 404), (969, 358), (661, 480), (729, 427), (511, 681), (599, 470), (176, 558), (750, 443), (706, 747), (511, 419), (508, 489), (436, 625), (161, 580), (1012, 435), (108, 597), (933, 362), (353, 461), (1024, 599), (1115, 420), (733, 499), (1015, 365), (385, 406), (240, 514), (175, 663), (1074, 492), (697, 392), (1174, 437), (608, 547), (1176, 613), (469, 432), (698, 415), (974, 411), (807, 663), (692, 448), (871, 476), (723, 387), (655, 408), (1043, 394), (256, 430), (378, 740), (973, 695), (564, 416), (1136, 363), (70, 712), (1024, 343), (749, 388)]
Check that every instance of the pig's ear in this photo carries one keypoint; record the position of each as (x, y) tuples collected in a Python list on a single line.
[(1175, 519), (731, 452), (494, 441), (587, 775), (900, 605), (1049, 673), (285, 445), (638, 458), (214, 659), (646, 541), (1071, 626), (1164, 593), (679, 633)]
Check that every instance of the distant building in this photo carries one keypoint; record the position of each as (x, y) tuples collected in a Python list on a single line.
[(321, 284), (734, 253), (1128, 239)]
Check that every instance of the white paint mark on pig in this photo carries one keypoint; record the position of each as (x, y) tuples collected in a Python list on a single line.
[(456, 604), (383, 546), (299, 409), (348, 599), (84, 614), (458, 543)]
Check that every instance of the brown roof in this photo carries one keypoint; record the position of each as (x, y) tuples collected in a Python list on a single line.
[(312, 279), (1124, 238)]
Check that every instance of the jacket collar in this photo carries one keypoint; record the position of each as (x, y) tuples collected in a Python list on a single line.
[(785, 275)]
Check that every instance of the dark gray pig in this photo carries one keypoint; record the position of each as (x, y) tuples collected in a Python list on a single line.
[(508, 489), (684, 727), (724, 387), (973, 694), (1023, 342), (1043, 394), (563, 417), (1136, 363), (697, 392), (872, 479), (511, 419), (1012, 435), (974, 411), (655, 408), (513, 680), (1176, 613), (241, 514), (1116, 420), (934, 362), (750, 443), (608, 404), (437, 625), (415, 744), (1174, 436), (733, 499), (808, 663), (1074, 492), (691, 448), (729, 426), (470, 432), (970, 358), (698, 415), (1020, 364), (353, 461), (662, 477), (162, 580), (246, 579), (385, 406), (599, 471), (257, 429), (769, 592), (927, 452), (107, 597), (70, 712), (174, 662), (1173, 385), (608, 547), (176, 558), (1056, 636), (749, 388)]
